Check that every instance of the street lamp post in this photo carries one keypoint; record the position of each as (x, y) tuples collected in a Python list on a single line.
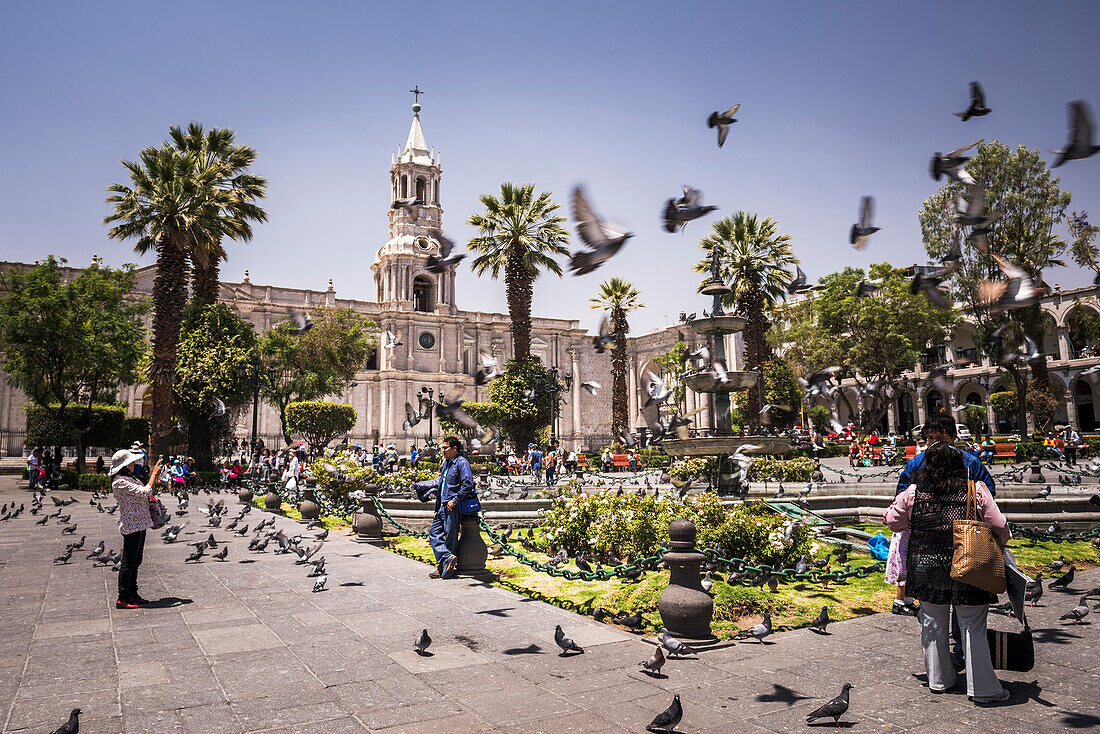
[(556, 390), (252, 371)]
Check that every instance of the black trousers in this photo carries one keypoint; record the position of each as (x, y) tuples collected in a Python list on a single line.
[(1071, 454), (133, 548)]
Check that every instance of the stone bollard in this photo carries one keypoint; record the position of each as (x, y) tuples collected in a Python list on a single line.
[(272, 501), (472, 551), (244, 495), (367, 524), (1036, 476), (309, 507), (686, 610)]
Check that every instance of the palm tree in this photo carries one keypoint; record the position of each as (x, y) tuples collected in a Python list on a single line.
[(520, 235), (620, 297), (216, 149), (753, 259), (173, 202)]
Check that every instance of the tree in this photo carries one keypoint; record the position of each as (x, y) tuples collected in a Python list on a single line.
[(520, 235), (69, 342), (173, 206), (753, 258), (319, 422), (878, 337), (1018, 185), (974, 417), (321, 362), (620, 297), (217, 150), (781, 389), (819, 416), (215, 343), (1082, 245), (670, 365), (523, 399)]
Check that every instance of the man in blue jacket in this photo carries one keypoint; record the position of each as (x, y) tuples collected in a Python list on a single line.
[(454, 484), (941, 427)]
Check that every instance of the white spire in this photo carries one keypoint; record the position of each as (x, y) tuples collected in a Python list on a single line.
[(416, 147)]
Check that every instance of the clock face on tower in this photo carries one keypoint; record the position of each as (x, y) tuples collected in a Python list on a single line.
[(427, 340)]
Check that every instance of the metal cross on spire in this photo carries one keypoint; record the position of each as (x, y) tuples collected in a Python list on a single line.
[(416, 93)]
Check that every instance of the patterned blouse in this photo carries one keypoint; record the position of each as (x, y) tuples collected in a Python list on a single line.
[(133, 504)]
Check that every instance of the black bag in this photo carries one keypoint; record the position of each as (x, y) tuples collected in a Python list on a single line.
[(469, 506), (1012, 650)]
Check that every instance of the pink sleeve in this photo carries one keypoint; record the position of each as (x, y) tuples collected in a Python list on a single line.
[(990, 513), (898, 513)]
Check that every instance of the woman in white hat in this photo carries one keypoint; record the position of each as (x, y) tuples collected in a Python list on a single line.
[(134, 519)]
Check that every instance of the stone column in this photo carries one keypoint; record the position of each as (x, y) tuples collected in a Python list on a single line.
[(1064, 351), (574, 359), (921, 411), (1071, 407), (631, 392)]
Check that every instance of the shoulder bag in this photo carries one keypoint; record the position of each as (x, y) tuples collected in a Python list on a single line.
[(157, 513), (977, 559)]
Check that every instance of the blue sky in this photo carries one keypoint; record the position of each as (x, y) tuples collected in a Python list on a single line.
[(838, 100)]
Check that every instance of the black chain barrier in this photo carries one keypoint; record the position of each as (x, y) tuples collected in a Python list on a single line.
[(1037, 534)]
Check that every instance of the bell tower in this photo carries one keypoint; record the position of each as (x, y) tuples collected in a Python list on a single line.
[(401, 276)]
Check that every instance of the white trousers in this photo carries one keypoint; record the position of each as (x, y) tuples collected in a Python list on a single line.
[(935, 632)]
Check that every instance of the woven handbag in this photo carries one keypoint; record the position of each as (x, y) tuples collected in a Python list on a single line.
[(977, 559)]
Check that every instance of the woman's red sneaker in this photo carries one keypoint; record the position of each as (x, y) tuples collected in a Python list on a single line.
[(125, 604)]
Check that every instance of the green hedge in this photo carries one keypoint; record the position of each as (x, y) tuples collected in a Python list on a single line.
[(134, 429), (319, 421), (43, 429), (207, 478), (1026, 449), (791, 470), (94, 481)]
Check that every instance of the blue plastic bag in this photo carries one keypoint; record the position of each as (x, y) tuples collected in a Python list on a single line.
[(879, 545)]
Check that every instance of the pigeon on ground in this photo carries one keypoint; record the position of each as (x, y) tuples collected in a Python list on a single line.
[(602, 239), (951, 165), (678, 212), (1043, 494), (69, 530), (323, 534), (633, 621), (1033, 590), (64, 557), (708, 582), (72, 726), (1058, 564), (758, 632), (45, 519), (319, 584), (96, 552), (977, 106), (565, 643), (211, 543), (243, 531), (862, 230), (1063, 581), (821, 621), (78, 545), (1081, 134), (722, 121), (833, 709), (220, 555), (670, 643), (655, 662), (1078, 613), (302, 322), (422, 643), (197, 555), (667, 720), (446, 258)]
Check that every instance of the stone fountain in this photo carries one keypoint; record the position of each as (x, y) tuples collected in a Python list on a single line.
[(721, 443)]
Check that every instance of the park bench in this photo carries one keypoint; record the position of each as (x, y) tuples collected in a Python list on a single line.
[(581, 463), (619, 462), (910, 452), (1006, 451)]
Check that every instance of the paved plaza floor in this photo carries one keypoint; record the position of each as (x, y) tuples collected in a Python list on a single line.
[(244, 645)]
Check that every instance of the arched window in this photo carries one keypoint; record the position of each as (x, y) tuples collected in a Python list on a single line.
[(906, 415), (1086, 412), (435, 191), (404, 187), (422, 294), (421, 189), (974, 399), (934, 402)]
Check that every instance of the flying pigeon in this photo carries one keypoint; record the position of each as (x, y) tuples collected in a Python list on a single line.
[(1018, 291), (302, 322), (591, 387), (455, 412), (977, 106), (821, 621), (655, 662), (392, 340), (219, 408), (951, 165), (1081, 134), (412, 417), (422, 643), (488, 371), (862, 230), (798, 283), (833, 709), (445, 259), (565, 643), (407, 203), (667, 720), (602, 239), (657, 390), (971, 209), (1078, 613), (604, 335), (722, 121), (678, 212)]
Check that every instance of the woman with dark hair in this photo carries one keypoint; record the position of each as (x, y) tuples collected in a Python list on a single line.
[(134, 519), (928, 508)]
